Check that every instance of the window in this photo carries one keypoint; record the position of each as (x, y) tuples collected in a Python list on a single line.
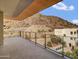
[(71, 32), (64, 34), (72, 48), (75, 32), (71, 38), (70, 45)]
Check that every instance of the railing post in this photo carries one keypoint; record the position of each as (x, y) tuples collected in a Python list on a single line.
[(62, 47), (20, 33), (45, 41), (23, 34), (29, 35), (35, 38), (26, 35)]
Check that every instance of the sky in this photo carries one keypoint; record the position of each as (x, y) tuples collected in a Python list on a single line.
[(67, 9)]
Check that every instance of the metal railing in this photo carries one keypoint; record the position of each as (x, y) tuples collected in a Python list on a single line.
[(44, 40)]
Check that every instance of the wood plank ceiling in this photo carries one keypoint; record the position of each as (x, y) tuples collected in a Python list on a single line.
[(21, 9)]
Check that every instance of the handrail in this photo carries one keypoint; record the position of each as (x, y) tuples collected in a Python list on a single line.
[(33, 37)]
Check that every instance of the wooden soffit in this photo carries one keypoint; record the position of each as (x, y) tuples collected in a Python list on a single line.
[(35, 7)]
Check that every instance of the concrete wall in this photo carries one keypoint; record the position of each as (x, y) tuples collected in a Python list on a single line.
[(1, 28)]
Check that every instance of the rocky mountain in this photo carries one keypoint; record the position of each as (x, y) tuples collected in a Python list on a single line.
[(38, 19), (49, 21)]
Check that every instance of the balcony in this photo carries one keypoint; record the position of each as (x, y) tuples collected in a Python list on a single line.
[(19, 48), (29, 45)]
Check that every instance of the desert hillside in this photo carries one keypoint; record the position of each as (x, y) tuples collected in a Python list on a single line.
[(38, 19), (50, 21)]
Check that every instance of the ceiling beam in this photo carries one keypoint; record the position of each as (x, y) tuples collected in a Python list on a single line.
[(35, 7)]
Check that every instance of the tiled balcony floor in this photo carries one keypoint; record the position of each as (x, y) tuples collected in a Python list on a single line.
[(19, 48)]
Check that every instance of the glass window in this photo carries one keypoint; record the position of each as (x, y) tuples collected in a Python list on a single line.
[(71, 38), (64, 34), (71, 32), (69, 44), (75, 32)]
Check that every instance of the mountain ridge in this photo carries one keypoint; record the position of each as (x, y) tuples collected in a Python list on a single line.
[(50, 21)]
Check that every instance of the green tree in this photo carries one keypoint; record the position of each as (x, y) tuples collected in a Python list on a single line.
[(55, 39), (75, 54), (68, 53)]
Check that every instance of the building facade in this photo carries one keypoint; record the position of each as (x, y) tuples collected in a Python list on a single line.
[(70, 36)]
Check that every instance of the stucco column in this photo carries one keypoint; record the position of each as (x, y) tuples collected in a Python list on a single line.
[(1, 28)]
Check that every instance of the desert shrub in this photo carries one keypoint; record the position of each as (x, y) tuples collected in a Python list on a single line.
[(55, 39), (68, 53), (49, 44), (74, 54)]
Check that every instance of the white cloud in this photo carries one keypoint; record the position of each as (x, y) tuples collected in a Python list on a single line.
[(62, 6), (75, 21)]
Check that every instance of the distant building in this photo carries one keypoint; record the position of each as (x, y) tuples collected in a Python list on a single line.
[(70, 35)]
